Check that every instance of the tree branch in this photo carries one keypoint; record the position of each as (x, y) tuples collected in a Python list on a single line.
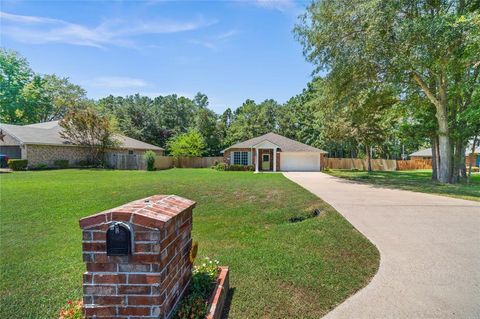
[(426, 89)]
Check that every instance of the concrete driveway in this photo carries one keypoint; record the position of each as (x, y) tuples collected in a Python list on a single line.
[(429, 247)]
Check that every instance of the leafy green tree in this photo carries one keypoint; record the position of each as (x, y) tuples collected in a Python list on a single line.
[(26, 97), (186, 144), (428, 46), (15, 73)]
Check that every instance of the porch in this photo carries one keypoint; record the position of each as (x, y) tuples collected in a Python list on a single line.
[(265, 157)]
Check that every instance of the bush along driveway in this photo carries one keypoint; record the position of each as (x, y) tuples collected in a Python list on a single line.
[(429, 248)]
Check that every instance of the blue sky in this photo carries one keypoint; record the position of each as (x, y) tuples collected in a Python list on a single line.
[(229, 50)]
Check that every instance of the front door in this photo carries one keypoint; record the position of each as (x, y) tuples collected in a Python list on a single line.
[(265, 162)]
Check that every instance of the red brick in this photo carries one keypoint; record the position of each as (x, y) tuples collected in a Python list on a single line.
[(144, 300), (100, 311), (123, 216), (97, 290), (87, 278), (109, 300), (136, 311), (101, 267), (92, 220), (144, 279), (87, 235), (147, 248), (147, 220), (99, 235), (94, 246), (145, 258), (133, 290), (109, 279)]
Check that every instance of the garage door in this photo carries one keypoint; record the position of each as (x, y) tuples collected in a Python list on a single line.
[(300, 162)]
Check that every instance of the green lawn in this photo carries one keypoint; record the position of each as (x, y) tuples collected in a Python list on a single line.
[(279, 269), (418, 181)]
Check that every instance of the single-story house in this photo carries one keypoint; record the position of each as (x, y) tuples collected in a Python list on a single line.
[(42, 144), (426, 154), (273, 152)]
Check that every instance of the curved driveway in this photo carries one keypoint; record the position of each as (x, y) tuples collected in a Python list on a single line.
[(429, 247)]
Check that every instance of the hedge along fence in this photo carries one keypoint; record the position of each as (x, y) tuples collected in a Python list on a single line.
[(377, 164), (164, 162)]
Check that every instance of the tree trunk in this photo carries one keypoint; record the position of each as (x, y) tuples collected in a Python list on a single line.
[(471, 158), (434, 159), (444, 145), (369, 157)]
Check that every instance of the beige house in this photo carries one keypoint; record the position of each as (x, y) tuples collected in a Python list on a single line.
[(42, 144), (273, 152)]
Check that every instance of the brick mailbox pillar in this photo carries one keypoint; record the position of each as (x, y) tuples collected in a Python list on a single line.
[(137, 258)]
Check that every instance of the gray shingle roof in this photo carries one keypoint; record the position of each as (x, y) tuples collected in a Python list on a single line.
[(48, 133), (428, 152), (285, 144), (424, 153)]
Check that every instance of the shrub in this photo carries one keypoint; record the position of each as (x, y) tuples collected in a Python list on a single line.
[(61, 163), (195, 304), (40, 166), (73, 310), (221, 167), (17, 164), (149, 157), (233, 167), (84, 163), (236, 167)]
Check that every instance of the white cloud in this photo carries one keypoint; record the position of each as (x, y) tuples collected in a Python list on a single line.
[(38, 30), (281, 5), (117, 82), (214, 41)]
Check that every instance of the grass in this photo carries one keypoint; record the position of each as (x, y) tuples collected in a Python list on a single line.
[(279, 269), (418, 181)]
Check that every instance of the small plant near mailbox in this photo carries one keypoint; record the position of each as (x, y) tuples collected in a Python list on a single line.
[(17, 164), (61, 163), (149, 157), (73, 310), (195, 304)]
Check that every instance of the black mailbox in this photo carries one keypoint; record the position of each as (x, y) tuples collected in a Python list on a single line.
[(119, 239)]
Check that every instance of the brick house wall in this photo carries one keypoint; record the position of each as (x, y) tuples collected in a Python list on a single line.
[(228, 154), (149, 282), (48, 154)]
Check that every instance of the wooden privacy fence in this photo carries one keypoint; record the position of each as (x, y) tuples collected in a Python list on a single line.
[(414, 164), (125, 161), (164, 162), (377, 164)]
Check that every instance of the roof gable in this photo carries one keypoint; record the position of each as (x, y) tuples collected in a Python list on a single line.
[(284, 143)]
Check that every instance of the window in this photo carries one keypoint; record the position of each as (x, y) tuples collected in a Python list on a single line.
[(240, 158), (130, 152)]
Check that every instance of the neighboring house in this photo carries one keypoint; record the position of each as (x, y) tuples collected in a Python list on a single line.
[(426, 154), (273, 152), (42, 144)]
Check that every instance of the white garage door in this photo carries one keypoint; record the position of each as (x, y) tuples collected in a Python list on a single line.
[(300, 162)]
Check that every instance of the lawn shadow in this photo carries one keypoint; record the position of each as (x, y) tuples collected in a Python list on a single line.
[(228, 303)]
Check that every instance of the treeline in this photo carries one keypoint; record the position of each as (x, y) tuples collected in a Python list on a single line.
[(27, 97)]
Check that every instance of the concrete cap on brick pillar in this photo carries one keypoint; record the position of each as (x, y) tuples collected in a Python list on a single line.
[(154, 212)]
